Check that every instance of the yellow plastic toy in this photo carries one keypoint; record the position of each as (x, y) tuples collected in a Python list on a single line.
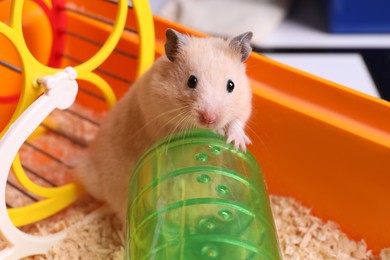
[(25, 116)]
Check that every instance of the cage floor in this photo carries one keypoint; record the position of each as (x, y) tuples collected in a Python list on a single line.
[(94, 233)]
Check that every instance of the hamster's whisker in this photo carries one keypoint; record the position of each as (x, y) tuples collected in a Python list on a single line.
[(186, 126), (184, 110), (134, 135), (191, 125), (261, 140), (179, 122), (252, 122), (253, 131)]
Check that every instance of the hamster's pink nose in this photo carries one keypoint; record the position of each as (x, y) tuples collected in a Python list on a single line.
[(207, 118)]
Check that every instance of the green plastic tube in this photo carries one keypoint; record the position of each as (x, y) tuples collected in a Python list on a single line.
[(192, 196)]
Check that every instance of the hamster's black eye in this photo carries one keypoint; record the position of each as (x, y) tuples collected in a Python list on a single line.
[(192, 81), (230, 86)]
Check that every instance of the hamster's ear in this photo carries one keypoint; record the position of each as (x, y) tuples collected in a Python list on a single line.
[(174, 41), (241, 44)]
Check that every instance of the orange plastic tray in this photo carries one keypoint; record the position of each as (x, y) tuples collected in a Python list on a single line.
[(325, 145)]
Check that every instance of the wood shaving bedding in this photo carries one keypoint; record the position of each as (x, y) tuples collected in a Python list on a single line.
[(94, 233), (94, 236), (303, 236)]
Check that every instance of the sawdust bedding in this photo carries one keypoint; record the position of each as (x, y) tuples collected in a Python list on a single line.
[(94, 233)]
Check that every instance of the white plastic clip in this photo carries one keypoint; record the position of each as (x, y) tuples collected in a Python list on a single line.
[(60, 92)]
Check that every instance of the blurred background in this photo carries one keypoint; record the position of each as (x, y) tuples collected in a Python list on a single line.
[(344, 41)]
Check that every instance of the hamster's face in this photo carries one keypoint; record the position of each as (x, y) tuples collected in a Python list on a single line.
[(210, 85)]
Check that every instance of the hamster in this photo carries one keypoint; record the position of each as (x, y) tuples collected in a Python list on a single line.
[(199, 83)]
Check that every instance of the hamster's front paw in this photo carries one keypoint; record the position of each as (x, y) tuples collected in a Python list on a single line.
[(235, 133), (221, 131)]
